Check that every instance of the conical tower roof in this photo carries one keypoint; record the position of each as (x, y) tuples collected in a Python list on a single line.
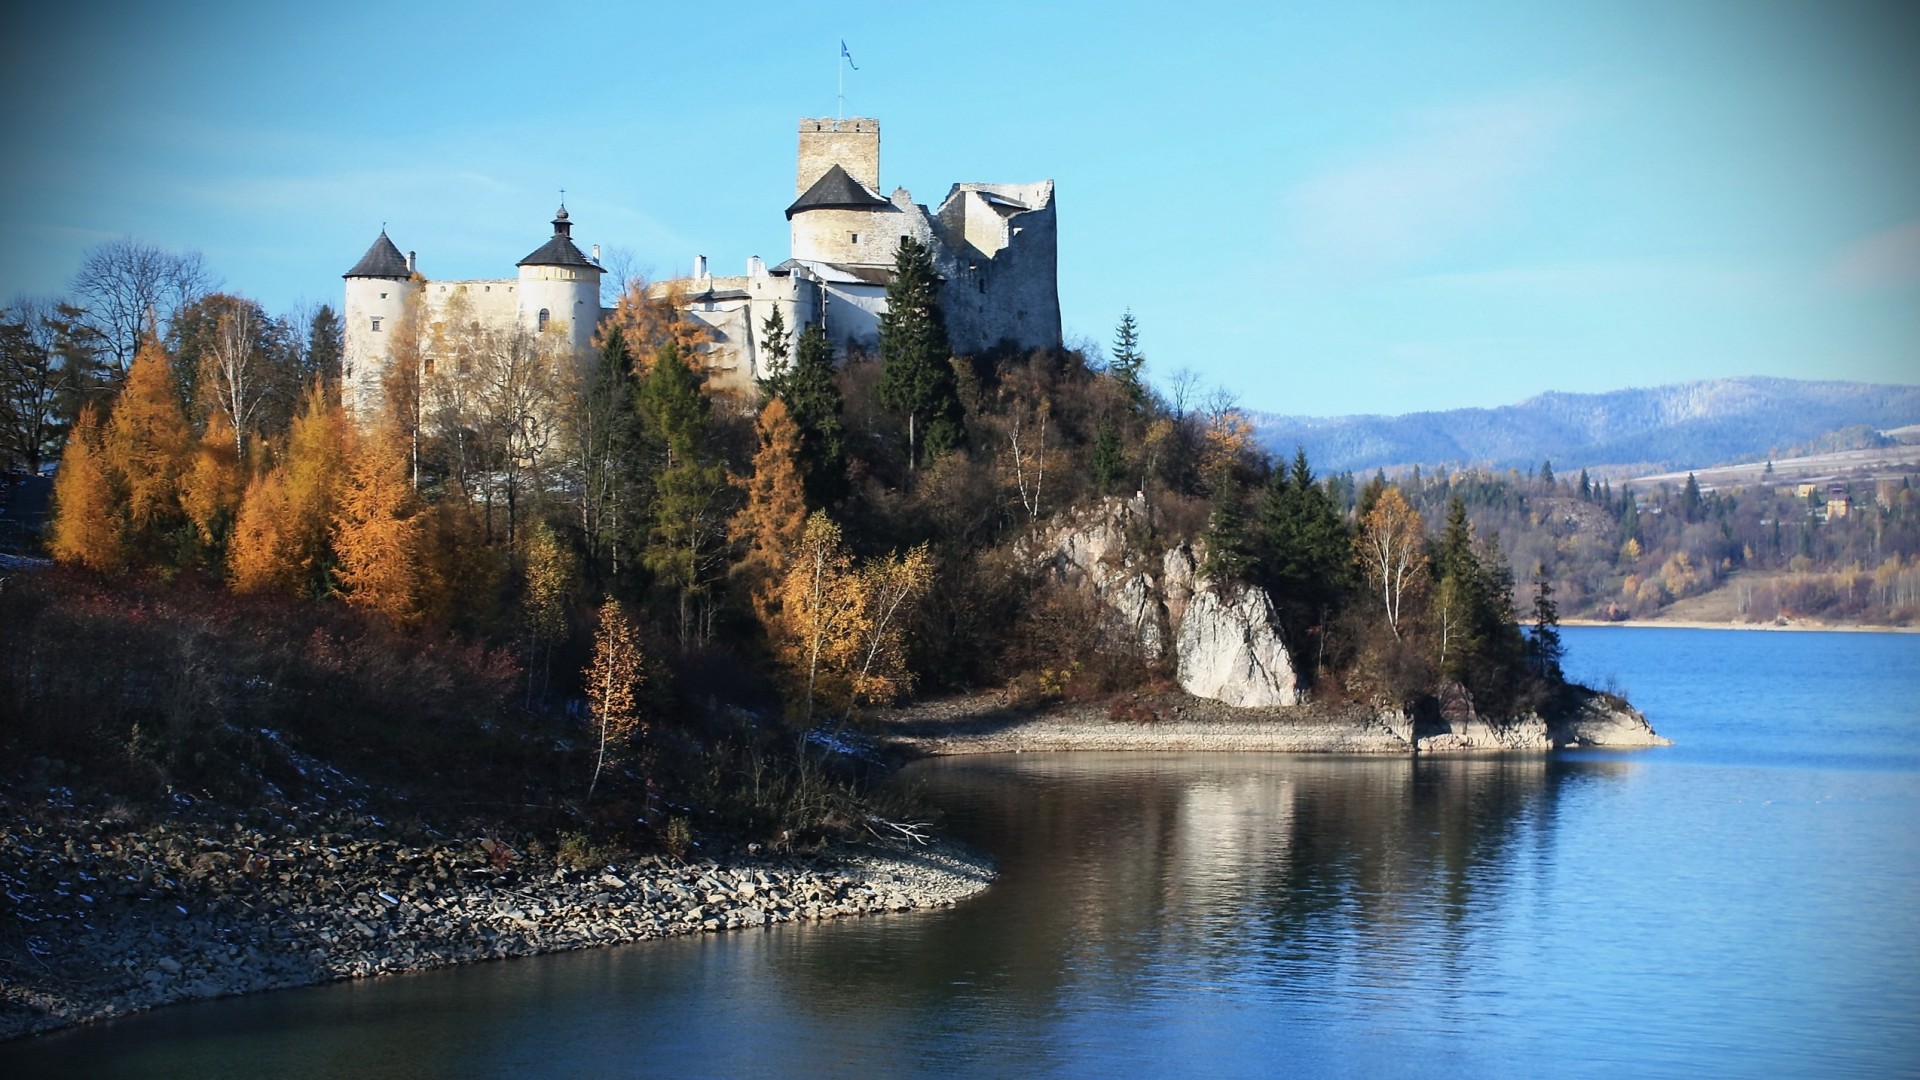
[(382, 260), (836, 190), (559, 249)]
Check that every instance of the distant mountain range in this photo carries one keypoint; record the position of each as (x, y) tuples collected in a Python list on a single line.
[(1626, 432)]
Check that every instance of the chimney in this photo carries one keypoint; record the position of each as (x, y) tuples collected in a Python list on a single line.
[(409, 262), (596, 253), (699, 266), (756, 266)]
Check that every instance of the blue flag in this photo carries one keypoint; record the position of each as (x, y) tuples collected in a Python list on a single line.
[(848, 55)]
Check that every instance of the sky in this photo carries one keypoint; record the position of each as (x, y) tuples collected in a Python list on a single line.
[(1322, 208)]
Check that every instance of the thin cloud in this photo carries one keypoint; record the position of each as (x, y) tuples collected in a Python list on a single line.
[(1453, 175), (1885, 260)]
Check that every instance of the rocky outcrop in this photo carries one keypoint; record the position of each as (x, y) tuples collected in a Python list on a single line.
[(1592, 718), (1225, 640), (1103, 552), (1229, 649), (1581, 717)]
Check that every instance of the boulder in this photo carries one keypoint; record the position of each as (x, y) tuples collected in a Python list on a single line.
[(1229, 649)]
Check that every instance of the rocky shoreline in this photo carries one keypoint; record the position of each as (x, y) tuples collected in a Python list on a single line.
[(100, 917), (987, 724)]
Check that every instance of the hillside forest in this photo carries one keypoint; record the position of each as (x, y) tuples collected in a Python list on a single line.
[(581, 595)]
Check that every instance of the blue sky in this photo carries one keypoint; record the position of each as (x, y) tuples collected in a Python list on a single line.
[(1326, 208)]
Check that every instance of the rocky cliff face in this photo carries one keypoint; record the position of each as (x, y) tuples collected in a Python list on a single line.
[(1225, 641)]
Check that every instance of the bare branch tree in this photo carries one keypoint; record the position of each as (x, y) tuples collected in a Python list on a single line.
[(127, 285)]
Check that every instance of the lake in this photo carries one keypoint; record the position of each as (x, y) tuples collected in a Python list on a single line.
[(1746, 902)]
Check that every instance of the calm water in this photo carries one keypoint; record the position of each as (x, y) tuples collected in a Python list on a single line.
[(1746, 903)]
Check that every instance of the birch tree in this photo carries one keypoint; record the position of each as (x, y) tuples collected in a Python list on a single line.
[(1391, 550)]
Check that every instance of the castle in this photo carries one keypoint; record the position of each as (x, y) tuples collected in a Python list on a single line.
[(555, 297), (993, 246)]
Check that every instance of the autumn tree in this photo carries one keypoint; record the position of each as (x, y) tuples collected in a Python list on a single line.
[(146, 446), (88, 526), (547, 577), (1391, 550), (844, 627), (212, 485), (916, 374), (648, 322), (262, 553), (377, 528), (769, 527), (233, 371), (611, 678)]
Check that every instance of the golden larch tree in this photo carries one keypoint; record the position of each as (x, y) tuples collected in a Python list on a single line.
[(770, 525), (262, 555), (315, 467), (376, 527), (212, 485), (843, 627), (612, 676), (87, 526), (146, 444)]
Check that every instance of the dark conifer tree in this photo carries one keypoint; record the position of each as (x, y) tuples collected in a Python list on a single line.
[(916, 374), (1128, 361), (813, 400)]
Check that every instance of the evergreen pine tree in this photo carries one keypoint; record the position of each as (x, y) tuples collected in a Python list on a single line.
[(692, 498), (813, 402), (1586, 486), (776, 346), (916, 374), (1544, 650), (1230, 555), (1128, 361)]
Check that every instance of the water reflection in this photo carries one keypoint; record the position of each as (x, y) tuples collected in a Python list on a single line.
[(1152, 908)]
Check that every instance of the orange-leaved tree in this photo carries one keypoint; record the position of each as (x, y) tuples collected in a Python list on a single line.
[(146, 445), (212, 484), (260, 555), (1391, 550), (647, 322), (612, 677), (772, 522), (87, 525), (377, 529), (843, 628)]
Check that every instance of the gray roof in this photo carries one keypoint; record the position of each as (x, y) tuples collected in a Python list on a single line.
[(382, 260), (836, 190), (559, 249)]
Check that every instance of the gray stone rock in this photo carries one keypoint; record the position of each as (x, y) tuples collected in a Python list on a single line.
[(1229, 649)]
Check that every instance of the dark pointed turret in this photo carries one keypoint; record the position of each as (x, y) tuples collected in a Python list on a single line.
[(559, 249), (382, 260)]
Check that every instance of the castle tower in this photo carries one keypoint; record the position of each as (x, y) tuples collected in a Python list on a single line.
[(378, 288), (853, 144), (559, 288), (840, 216)]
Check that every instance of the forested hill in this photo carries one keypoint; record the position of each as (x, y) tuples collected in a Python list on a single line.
[(1689, 425)]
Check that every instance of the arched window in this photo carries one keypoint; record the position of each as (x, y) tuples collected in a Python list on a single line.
[(543, 320)]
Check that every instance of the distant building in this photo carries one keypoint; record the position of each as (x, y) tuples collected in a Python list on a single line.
[(994, 247), (1838, 501)]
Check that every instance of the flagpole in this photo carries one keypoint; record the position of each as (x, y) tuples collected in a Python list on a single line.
[(840, 65)]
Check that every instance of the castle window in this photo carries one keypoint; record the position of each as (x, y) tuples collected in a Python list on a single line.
[(383, 296), (376, 324), (854, 238), (543, 319)]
